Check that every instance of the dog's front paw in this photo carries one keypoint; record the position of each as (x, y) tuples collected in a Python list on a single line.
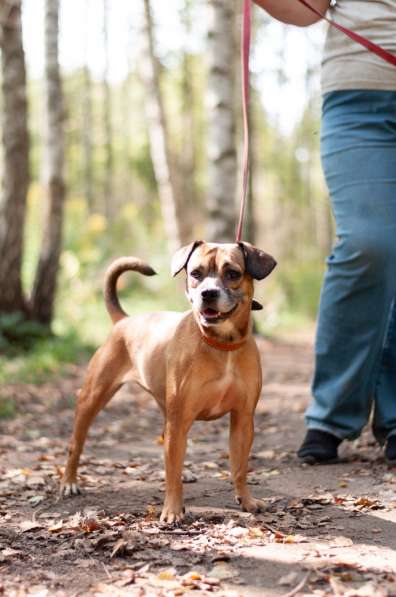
[(172, 513), (250, 504), (68, 489)]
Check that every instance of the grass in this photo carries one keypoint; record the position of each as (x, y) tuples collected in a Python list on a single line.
[(81, 325), (47, 357), (8, 408)]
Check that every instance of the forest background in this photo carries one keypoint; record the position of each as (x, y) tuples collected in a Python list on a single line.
[(122, 135)]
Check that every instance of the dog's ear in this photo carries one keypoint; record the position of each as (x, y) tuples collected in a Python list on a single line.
[(256, 306), (258, 263), (181, 257)]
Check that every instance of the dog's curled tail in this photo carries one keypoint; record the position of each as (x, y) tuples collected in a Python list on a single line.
[(121, 265)]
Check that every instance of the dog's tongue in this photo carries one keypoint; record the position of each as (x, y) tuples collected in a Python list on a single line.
[(210, 313)]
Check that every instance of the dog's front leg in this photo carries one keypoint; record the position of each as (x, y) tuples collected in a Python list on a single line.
[(241, 438), (175, 441)]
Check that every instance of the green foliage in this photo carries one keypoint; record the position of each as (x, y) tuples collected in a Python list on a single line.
[(301, 286), (142, 167), (18, 333), (7, 408), (47, 356)]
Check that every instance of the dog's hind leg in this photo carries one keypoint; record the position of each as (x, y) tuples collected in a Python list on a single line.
[(103, 379)]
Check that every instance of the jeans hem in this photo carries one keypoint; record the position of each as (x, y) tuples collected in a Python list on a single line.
[(333, 430)]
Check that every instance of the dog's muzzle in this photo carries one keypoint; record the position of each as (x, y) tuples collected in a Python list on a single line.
[(209, 314), (213, 303)]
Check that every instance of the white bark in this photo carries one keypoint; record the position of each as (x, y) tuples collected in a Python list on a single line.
[(44, 288), (108, 129), (221, 121), (87, 128), (157, 130), (188, 157)]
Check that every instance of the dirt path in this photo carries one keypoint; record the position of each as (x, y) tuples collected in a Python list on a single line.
[(329, 530)]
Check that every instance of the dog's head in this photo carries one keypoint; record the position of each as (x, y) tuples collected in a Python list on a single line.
[(220, 278)]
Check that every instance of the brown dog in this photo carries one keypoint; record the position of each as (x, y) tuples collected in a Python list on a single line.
[(200, 364)]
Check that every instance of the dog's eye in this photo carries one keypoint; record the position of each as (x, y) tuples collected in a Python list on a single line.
[(196, 273), (233, 274)]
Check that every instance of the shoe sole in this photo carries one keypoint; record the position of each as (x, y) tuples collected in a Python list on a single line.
[(310, 459)]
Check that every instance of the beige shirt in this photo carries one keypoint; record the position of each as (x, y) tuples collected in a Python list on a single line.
[(348, 65)]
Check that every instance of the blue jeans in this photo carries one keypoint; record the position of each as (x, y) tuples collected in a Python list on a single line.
[(356, 336)]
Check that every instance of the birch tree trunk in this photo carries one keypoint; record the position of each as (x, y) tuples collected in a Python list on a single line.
[(188, 157), (126, 117), (87, 127), (108, 131), (16, 157), (221, 122), (44, 288), (158, 134)]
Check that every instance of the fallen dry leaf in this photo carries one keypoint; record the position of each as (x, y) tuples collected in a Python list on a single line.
[(129, 578), (55, 528), (340, 541), (151, 513), (365, 502), (90, 524), (29, 525), (8, 552), (210, 465), (222, 570), (288, 579), (192, 576), (119, 548), (256, 533), (167, 574)]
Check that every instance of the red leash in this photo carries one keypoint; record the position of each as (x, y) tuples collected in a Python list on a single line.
[(245, 52), (363, 41)]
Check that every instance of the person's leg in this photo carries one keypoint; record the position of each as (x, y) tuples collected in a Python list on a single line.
[(359, 161), (384, 422)]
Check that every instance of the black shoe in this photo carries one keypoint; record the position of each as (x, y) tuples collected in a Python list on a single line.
[(320, 447), (390, 451)]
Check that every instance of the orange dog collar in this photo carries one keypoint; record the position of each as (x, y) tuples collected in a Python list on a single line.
[(226, 346)]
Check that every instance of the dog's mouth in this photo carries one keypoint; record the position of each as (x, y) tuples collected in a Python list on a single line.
[(210, 315)]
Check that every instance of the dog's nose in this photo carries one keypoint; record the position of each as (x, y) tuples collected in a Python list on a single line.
[(210, 294)]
